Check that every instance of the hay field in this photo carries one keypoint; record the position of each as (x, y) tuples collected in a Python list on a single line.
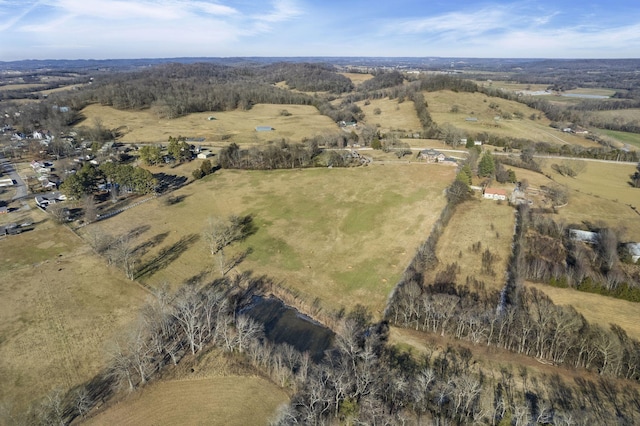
[(22, 86), (225, 401), (357, 78), (480, 220), (230, 126), (601, 193), (341, 235), (477, 105), (59, 306), (393, 115), (596, 308), (631, 139)]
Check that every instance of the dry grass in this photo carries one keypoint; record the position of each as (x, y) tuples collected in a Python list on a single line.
[(215, 401), (23, 86), (624, 114), (596, 308), (393, 115), (341, 235), (357, 78), (483, 221), (230, 126), (601, 193), (59, 305), (477, 105)]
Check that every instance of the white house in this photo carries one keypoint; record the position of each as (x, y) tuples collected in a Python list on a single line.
[(495, 194), (205, 154)]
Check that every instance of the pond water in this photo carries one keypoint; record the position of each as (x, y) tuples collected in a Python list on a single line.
[(284, 324)]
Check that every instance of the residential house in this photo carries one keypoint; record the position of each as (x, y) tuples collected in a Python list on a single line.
[(205, 154), (495, 194), (432, 156)]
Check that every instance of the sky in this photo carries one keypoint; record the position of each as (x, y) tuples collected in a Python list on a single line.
[(122, 29)]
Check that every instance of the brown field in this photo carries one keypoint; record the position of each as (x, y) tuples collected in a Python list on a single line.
[(393, 115), (357, 78), (624, 114), (477, 105), (341, 235), (601, 193), (23, 86), (596, 308), (510, 85), (237, 400), (230, 126), (486, 221), (59, 306)]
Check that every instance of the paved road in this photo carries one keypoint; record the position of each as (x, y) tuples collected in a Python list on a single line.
[(20, 186)]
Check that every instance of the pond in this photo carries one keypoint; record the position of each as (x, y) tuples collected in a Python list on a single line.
[(284, 324)]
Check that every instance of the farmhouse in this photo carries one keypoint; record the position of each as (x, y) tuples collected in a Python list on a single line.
[(205, 154), (432, 156), (495, 194)]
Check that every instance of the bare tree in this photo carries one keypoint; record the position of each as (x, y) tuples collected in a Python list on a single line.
[(89, 207), (218, 235), (187, 312), (246, 330)]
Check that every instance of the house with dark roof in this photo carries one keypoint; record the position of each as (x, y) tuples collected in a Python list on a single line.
[(432, 156)]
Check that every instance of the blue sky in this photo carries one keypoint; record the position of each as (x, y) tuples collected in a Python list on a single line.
[(101, 29)]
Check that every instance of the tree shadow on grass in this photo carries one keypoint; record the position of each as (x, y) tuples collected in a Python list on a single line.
[(166, 256), (168, 182), (143, 248)]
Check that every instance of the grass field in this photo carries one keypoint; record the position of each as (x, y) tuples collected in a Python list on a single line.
[(477, 105), (393, 115), (23, 86), (221, 401), (596, 308), (483, 221), (341, 235), (357, 78), (601, 193), (632, 139), (59, 305), (228, 126)]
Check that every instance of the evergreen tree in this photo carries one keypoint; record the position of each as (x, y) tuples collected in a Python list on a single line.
[(486, 166)]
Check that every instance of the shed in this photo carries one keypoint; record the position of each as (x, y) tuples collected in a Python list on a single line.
[(264, 128), (583, 236), (634, 251)]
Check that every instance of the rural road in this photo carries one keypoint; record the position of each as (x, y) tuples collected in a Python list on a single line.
[(20, 187)]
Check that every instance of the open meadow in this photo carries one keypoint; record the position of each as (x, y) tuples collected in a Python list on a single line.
[(478, 221), (60, 306), (357, 78), (393, 115), (147, 126), (600, 193), (233, 400), (485, 109), (343, 236)]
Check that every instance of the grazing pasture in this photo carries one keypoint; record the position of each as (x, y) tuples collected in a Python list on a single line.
[(342, 236), (238, 126), (60, 305), (487, 222), (393, 115), (486, 110), (233, 400), (596, 308)]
